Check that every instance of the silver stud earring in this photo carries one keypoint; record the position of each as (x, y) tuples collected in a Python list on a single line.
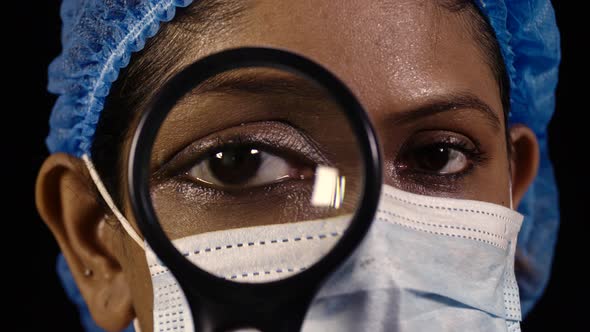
[(87, 272)]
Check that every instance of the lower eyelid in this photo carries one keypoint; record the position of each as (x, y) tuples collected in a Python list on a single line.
[(432, 183)]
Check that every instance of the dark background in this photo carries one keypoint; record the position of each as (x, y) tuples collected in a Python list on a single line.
[(36, 301)]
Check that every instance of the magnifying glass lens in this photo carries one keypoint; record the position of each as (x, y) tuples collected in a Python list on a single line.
[(256, 173)]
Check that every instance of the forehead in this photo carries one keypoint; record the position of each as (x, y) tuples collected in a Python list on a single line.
[(390, 52)]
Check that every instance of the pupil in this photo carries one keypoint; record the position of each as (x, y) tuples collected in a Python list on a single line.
[(435, 158), (235, 165)]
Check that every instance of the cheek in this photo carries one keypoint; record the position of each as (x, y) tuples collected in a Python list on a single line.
[(491, 183), (137, 273)]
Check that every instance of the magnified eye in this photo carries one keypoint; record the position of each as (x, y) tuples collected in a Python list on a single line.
[(243, 166), (438, 159)]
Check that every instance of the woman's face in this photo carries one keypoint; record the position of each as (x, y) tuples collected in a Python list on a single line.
[(415, 67), (435, 105)]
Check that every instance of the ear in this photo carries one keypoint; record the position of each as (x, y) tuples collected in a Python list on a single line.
[(524, 161), (91, 246)]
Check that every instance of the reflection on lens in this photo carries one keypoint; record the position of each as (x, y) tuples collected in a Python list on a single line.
[(328, 189), (250, 156)]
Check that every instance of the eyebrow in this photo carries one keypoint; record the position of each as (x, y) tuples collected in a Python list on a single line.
[(263, 83), (446, 103), (268, 83)]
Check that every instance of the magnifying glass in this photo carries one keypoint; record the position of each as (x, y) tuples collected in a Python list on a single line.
[(253, 174)]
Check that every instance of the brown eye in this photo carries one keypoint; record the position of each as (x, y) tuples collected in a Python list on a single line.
[(438, 159), (236, 165), (243, 166), (439, 153)]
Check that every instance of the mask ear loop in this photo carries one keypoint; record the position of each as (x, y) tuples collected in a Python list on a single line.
[(510, 192), (510, 148), (136, 325), (126, 225), (107, 198)]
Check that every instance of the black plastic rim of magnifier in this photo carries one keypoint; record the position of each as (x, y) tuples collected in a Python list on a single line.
[(203, 289)]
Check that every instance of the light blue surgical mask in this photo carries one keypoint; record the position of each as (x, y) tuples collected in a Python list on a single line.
[(428, 263)]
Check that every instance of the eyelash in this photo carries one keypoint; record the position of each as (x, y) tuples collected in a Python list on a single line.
[(475, 155), (238, 140)]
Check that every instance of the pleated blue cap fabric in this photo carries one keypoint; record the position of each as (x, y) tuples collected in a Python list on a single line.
[(99, 37)]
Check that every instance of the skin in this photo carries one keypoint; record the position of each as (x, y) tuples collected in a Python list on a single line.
[(396, 56)]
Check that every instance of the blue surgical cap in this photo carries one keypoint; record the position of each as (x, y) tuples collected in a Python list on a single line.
[(99, 36)]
